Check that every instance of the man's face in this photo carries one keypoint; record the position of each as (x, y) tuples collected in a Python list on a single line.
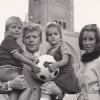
[(32, 41)]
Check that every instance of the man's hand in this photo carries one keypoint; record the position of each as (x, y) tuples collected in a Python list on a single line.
[(50, 88), (19, 83)]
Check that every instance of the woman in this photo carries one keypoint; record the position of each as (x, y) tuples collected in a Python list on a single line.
[(89, 72)]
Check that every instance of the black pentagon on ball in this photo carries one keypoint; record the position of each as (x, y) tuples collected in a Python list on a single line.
[(42, 77), (46, 64), (56, 73)]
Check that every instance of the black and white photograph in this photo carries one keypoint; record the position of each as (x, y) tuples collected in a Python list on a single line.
[(49, 50)]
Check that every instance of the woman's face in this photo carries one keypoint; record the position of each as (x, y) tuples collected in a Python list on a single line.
[(89, 41)]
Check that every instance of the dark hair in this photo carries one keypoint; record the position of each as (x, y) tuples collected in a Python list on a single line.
[(32, 27), (93, 28), (53, 24)]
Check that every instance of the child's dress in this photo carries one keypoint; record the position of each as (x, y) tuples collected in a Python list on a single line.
[(66, 79)]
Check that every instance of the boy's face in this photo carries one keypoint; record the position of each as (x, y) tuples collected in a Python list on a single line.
[(53, 36), (14, 30), (32, 41)]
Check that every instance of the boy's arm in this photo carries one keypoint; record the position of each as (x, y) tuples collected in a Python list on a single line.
[(64, 61), (55, 65), (25, 60), (30, 56)]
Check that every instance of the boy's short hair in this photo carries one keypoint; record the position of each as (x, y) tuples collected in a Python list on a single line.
[(12, 20), (32, 27), (53, 24)]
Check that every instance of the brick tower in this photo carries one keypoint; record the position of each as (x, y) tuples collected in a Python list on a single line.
[(61, 11)]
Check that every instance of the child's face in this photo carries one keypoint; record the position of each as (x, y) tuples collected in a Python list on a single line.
[(32, 41), (53, 36), (14, 30)]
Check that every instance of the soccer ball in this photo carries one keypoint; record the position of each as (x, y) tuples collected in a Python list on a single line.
[(43, 62)]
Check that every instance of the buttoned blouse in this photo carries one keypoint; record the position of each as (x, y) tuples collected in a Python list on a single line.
[(89, 76)]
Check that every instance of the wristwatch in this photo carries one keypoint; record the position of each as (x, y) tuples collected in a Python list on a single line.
[(9, 87), (60, 96)]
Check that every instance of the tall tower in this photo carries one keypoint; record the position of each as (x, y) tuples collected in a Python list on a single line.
[(61, 11)]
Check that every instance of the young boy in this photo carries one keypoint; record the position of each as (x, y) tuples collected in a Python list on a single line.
[(12, 58)]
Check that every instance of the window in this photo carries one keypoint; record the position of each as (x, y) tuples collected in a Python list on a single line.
[(38, 22), (64, 25), (60, 23)]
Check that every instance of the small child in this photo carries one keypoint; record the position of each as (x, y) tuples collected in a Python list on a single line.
[(12, 58), (61, 52)]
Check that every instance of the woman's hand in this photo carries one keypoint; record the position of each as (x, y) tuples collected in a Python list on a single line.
[(19, 83), (50, 88)]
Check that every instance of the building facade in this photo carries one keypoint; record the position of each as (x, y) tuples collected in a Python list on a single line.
[(61, 11)]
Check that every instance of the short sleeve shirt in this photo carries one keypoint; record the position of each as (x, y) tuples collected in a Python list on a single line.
[(8, 46), (64, 47)]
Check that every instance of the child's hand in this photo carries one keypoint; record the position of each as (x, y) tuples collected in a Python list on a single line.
[(35, 69), (34, 75), (33, 58), (53, 66), (36, 61)]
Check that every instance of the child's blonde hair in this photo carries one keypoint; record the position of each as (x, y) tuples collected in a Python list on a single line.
[(32, 27), (12, 20), (53, 24)]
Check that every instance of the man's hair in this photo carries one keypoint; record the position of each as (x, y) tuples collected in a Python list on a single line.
[(32, 27)]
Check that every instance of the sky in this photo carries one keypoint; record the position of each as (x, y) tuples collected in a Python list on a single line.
[(85, 12), (11, 8)]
